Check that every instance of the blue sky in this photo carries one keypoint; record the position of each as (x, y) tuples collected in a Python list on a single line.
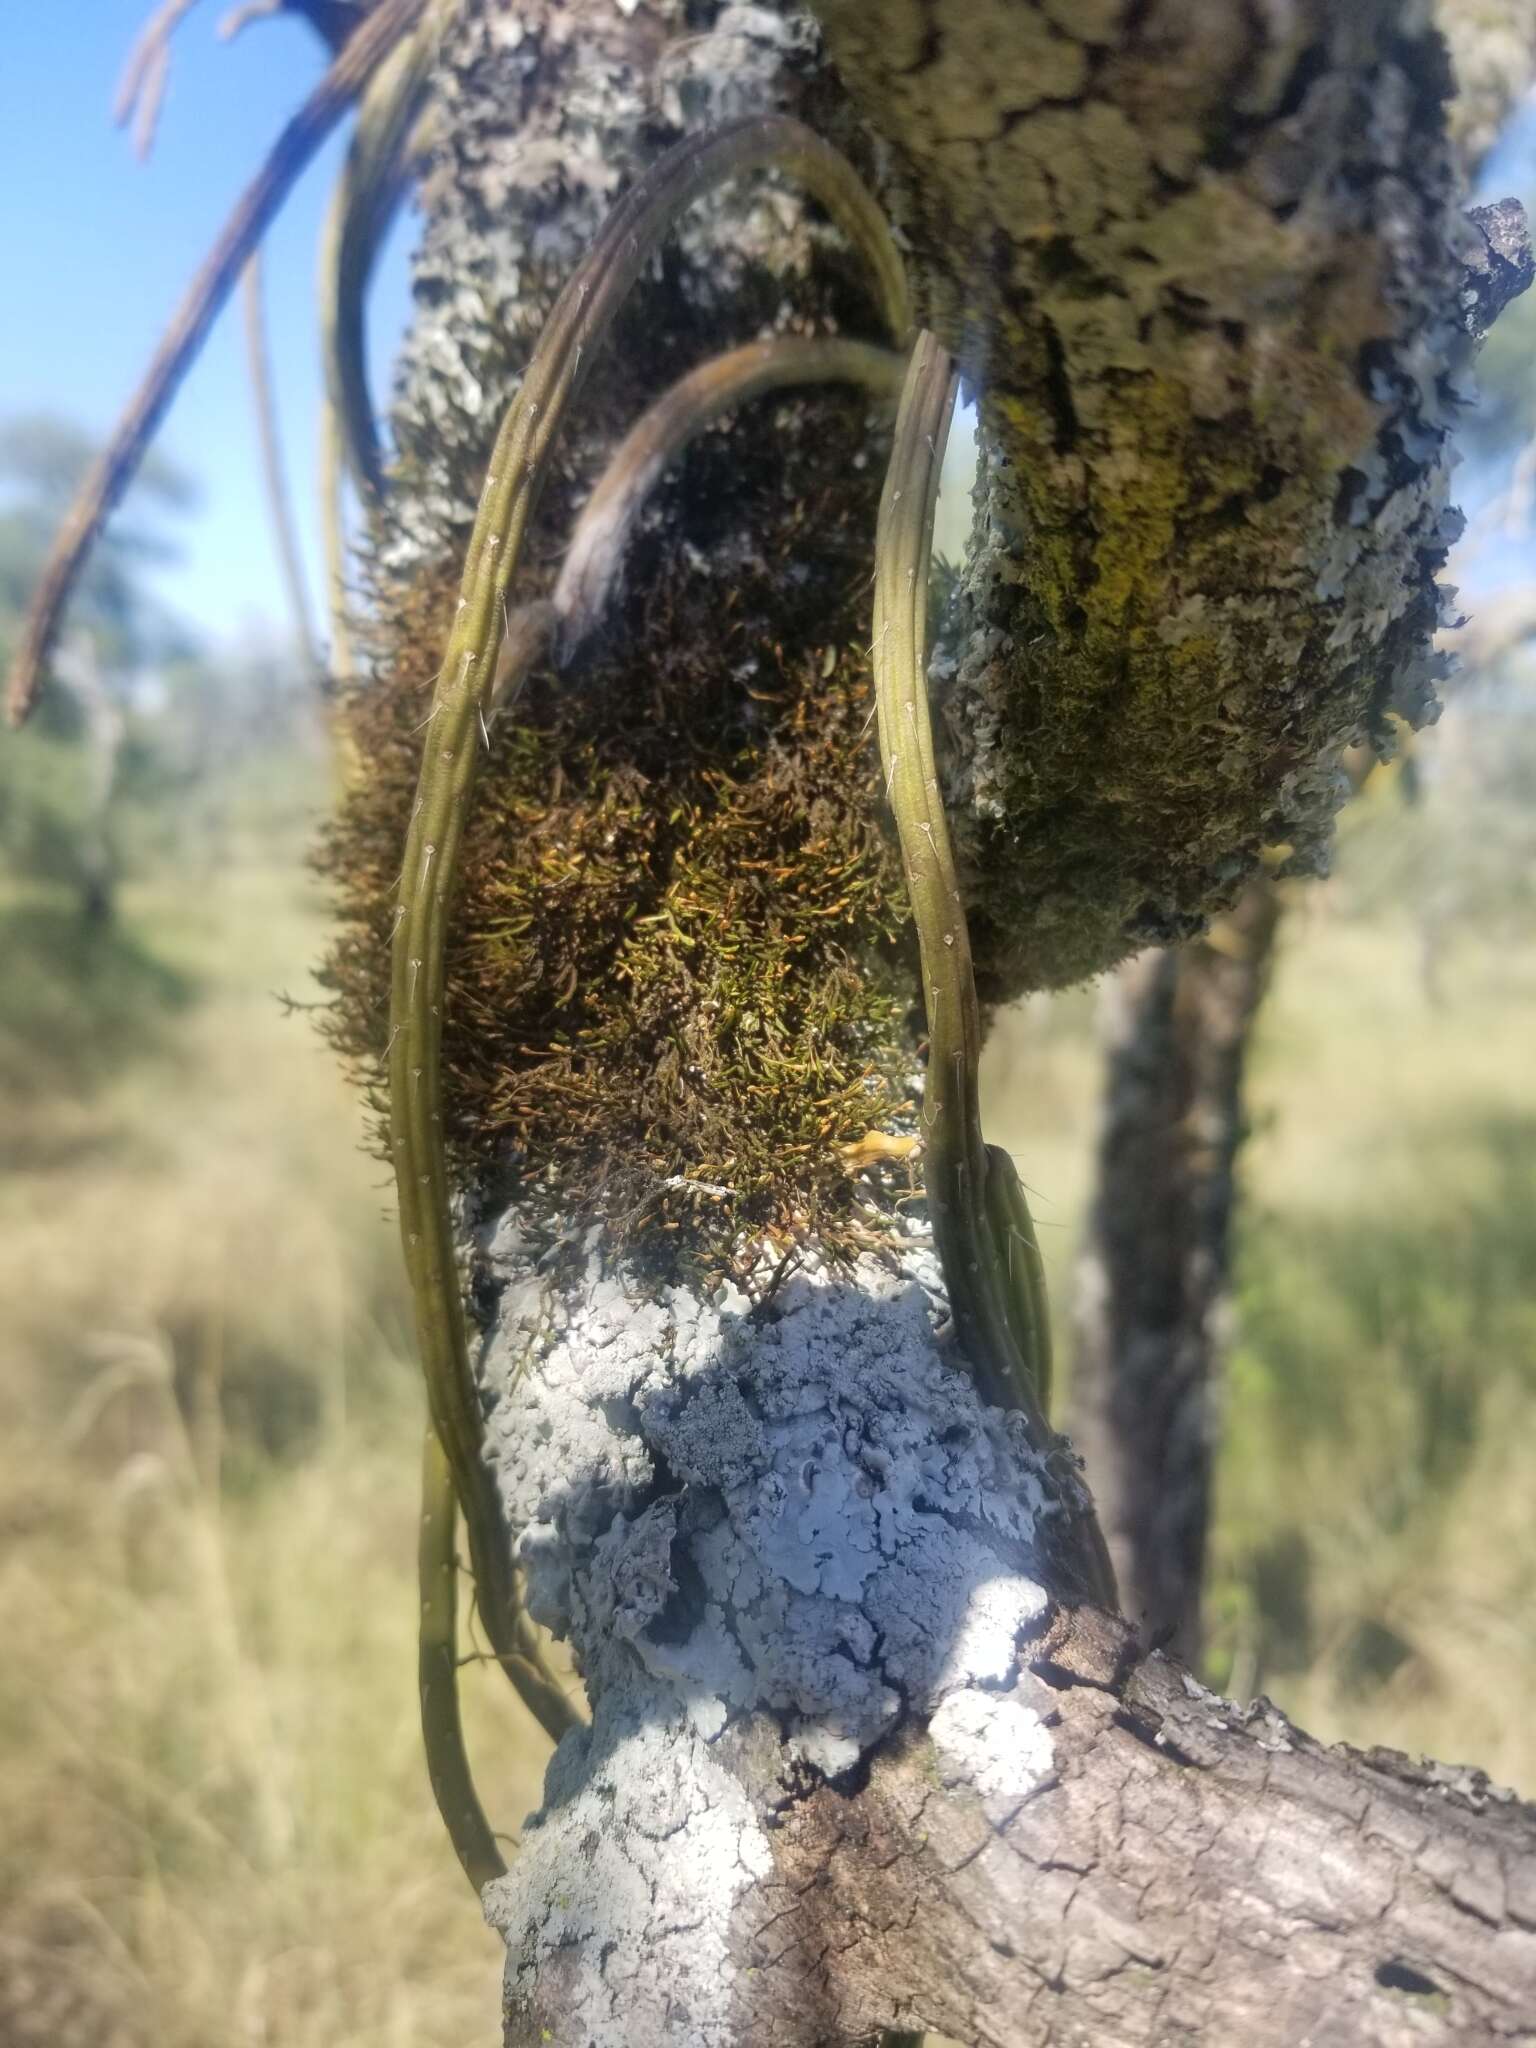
[(98, 248)]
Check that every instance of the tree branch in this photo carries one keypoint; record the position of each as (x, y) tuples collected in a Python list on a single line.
[(859, 1757), (1174, 1869), (1205, 265), (852, 1766), (1151, 1283)]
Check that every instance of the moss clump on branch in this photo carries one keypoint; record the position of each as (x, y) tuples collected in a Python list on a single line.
[(674, 966)]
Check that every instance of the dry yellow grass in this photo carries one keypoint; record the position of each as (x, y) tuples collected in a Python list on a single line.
[(1374, 1565), (217, 1825), (1376, 1485)]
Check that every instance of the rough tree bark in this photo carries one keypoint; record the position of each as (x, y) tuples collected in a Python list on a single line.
[(1213, 277), (858, 1759), (1151, 1307)]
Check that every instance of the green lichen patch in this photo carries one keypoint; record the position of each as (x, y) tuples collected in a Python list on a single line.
[(676, 988), (1219, 305)]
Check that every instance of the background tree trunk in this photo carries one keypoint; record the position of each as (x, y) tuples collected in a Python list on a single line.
[(1154, 1273), (859, 1758), (78, 668)]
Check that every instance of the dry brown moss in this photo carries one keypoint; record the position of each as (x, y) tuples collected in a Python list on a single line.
[(673, 966)]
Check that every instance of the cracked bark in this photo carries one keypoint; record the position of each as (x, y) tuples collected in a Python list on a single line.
[(856, 1760), (1188, 1872), (1203, 264), (1151, 1305), (854, 1765)]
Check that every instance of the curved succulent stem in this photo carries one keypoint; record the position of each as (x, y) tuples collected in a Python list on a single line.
[(1017, 1248), (437, 1671), (386, 143), (981, 1221), (113, 471), (594, 562), (955, 1160), (591, 566), (577, 325), (279, 501), (368, 193)]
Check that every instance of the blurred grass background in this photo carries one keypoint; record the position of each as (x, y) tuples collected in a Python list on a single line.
[(217, 1826), (1374, 1555), (209, 1767)]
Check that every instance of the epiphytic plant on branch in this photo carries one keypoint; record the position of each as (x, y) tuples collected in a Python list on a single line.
[(651, 1003), (982, 1224)]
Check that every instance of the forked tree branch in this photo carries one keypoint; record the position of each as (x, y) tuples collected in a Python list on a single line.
[(852, 1766), (853, 1763), (1210, 272)]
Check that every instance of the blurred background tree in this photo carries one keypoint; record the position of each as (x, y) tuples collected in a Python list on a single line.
[(60, 784)]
